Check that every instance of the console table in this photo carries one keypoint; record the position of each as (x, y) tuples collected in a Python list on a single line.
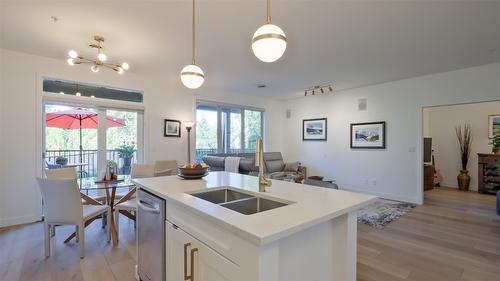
[(488, 173)]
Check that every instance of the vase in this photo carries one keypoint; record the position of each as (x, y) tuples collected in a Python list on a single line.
[(463, 180), (127, 163)]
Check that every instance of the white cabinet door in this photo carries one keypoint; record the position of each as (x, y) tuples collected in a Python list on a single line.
[(176, 239), (208, 265)]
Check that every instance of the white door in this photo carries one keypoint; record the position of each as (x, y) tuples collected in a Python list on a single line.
[(207, 265)]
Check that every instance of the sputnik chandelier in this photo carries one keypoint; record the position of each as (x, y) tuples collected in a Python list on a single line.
[(318, 89), (98, 62)]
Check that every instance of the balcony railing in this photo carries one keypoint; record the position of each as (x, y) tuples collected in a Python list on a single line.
[(87, 164), (200, 152)]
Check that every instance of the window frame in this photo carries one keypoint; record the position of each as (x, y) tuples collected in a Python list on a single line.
[(220, 107)]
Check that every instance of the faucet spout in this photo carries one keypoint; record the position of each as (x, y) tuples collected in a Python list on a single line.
[(259, 162)]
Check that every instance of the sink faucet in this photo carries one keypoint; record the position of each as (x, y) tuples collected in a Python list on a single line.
[(259, 162)]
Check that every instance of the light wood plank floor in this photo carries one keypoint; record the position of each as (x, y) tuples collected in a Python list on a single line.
[(454, 236)]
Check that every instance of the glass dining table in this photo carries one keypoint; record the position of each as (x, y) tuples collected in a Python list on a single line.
[(92, 188)]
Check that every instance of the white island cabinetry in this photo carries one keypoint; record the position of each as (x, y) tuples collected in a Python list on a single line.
[(207, 264), (311, 237)]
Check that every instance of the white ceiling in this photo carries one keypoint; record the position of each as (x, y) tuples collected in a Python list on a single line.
[(347, 43)]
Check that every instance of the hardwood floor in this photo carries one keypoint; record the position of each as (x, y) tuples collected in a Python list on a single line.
[(453, 236)]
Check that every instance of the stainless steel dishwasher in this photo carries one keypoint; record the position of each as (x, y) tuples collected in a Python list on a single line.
[(150, 237)]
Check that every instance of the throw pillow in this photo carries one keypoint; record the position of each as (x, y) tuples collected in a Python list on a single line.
[(292, 167)]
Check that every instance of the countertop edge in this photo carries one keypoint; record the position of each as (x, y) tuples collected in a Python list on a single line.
[(252, 238)]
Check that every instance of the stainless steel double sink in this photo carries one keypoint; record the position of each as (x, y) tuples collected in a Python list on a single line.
[(241, 202)]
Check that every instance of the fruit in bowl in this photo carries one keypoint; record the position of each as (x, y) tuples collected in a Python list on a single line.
[(193, 169)]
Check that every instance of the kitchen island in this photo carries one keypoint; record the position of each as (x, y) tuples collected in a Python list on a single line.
[(221, 228)]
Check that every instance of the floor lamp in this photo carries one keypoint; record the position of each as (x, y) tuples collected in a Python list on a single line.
[(189, 126)]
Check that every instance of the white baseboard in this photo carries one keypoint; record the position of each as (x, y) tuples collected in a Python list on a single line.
[(4, 222), (453, 184), (381, 195)]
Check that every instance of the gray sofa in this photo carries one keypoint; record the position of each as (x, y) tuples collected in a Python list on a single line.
[(274, 165)]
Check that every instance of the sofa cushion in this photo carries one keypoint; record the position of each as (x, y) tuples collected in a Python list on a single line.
[(214, 161), (247, 165), (274, 165)]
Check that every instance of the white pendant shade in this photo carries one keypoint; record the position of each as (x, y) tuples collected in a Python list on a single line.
[(269, 43), (192, 76)]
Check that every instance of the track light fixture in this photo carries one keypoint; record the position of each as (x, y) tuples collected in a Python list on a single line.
[(318, 89)]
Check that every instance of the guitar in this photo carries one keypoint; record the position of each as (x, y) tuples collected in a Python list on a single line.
[(438, 177)]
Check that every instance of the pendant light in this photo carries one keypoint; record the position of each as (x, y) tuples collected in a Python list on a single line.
[(191, 75), (269, 41)]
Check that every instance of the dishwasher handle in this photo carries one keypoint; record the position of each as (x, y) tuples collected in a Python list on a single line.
[(143, 205)]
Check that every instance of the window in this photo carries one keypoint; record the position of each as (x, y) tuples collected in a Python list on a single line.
[(88, 133), (224, 128), (57, 86)]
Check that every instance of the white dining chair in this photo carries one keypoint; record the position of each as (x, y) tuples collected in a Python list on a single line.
[(165, 168), (138, 171), (71, 173), (62, 206)]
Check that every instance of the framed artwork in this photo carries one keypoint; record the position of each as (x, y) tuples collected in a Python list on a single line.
[(493, 125), (368, 135), (314, 129), (172, 128)]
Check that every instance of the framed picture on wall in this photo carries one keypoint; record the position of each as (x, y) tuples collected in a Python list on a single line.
[(172, 128), (493, 125), (368, 135), (314, 129)]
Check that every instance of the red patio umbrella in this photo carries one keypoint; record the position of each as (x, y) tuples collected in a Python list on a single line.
[(79, 119)]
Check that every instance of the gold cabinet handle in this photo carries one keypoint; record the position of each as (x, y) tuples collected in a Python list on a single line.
[(186, 276), (193, 251)]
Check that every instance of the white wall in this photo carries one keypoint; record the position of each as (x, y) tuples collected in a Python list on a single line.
[(394, 172), (441, 128), (165, 97)]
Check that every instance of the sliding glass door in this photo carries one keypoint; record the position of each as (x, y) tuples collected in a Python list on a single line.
[(224, 128), (91, 137)]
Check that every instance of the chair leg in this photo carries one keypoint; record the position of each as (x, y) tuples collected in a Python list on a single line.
[(103, 221), (108, 226), (117, 223), (52, 230), (77, 237), (81, 235), (47, 229)]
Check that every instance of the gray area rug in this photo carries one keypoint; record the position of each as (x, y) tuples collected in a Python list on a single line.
[(382, 212)]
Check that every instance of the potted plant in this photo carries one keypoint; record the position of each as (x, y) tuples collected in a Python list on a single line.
[(126, 152), (496, 144), (464, 135)]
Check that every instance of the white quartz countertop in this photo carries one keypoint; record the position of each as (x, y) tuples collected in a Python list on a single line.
[(311, 205)]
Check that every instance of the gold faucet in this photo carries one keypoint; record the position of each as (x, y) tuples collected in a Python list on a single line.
[(259, 162)]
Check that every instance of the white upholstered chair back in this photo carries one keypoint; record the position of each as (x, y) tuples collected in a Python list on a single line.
[(61, 201), (142, 171), (62, 173), (165, 167)]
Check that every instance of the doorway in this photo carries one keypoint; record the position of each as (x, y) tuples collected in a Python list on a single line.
[(90, 137), (442, 153)]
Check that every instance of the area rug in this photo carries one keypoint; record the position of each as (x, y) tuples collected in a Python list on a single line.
[(382, 212)]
